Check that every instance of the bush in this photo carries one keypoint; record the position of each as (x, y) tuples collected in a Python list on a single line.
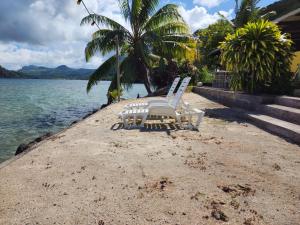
[(206, 77), (187, 69), (209, 41), (259, 57)]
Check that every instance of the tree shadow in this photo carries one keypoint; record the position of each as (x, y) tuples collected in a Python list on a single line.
[(227, 114)]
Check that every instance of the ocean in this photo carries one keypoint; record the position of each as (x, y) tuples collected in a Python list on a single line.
[(31, 108)]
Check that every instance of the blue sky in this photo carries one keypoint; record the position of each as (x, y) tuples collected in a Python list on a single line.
[(56, 38), (224, 5)]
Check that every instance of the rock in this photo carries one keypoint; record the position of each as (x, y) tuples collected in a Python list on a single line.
[(95, 110), (21, 148), (199, 84), (87, 115), (103, 106), (39, 139), (219, 215), (74, 122), (276, 166)]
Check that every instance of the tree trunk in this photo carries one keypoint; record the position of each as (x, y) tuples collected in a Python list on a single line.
[(145, 74)]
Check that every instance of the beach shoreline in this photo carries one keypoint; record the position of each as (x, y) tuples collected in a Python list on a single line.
[(95, 172), (29, 146)]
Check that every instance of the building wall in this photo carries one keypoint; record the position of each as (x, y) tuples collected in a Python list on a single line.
[(296, 61)]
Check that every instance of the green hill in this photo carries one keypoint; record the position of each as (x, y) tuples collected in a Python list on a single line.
[(41, 72), (60, 72), (4, 73)]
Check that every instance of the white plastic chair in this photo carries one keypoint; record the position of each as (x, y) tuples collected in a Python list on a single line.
[(161, 109), (166, 99)]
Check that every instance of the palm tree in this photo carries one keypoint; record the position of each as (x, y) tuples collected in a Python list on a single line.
[(247, 11), (152, 35)]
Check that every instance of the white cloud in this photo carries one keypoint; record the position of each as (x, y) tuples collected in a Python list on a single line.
[(48, 33), (14, 56), (208, 3), (198, 17)]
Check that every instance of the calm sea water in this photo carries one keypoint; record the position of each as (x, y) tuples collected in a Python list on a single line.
[(31, 108)]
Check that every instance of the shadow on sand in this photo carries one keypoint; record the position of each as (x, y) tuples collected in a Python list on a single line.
[(226, 114), (151, 127)]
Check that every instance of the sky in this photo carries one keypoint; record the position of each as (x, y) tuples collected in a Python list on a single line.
[(48, 32)]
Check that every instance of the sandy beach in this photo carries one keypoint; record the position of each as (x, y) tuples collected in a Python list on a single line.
[(230, 172)]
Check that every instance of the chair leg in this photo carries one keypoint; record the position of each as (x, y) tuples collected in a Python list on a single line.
[(178, 119), (134, 120), (143, 120), (199, 120), (125, 122), (190, 125)]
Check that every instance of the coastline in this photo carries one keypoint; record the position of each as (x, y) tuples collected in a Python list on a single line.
[(29, 146), (95, 172)]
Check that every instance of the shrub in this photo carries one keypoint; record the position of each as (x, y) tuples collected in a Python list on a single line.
[(259, 57), (187, 69), (206, 77), (209, 41)]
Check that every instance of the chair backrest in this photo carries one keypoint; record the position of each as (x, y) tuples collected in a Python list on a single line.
[(172, 88), (175, 101)]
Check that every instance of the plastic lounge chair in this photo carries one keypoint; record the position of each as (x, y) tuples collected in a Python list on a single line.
[(165, 99), (161, 109), (188, 113)]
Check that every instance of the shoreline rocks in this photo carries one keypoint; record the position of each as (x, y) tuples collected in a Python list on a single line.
[(23, 146)]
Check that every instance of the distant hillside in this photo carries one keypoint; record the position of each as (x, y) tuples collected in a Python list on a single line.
[(40, 72), (4, 73), (60, 72)]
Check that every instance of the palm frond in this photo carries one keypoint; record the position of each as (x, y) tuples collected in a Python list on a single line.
[(103, 20), (172, 28), (225, 18), (167, 14), (148, 9), (176, 46), (125, 9), (136, 8), (104, 42), (107, 68), (129, 71)]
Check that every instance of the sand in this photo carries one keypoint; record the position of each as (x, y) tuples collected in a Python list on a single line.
[(230, 172)]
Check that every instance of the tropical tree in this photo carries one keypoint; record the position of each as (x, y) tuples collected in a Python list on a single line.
[(259, 56), (209, 40), (247, 11), (151, 35)]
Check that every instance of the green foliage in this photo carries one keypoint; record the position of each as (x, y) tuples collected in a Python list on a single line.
[(205, 76), (187, 69), (113, 95), (209, 41), (247, 12), (259, 57), (164, 74), (153, 34)]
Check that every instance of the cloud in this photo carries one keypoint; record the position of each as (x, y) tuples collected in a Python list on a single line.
[(15, 55), (198, 17), (42, 22), (48, 33), (208, 3)]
